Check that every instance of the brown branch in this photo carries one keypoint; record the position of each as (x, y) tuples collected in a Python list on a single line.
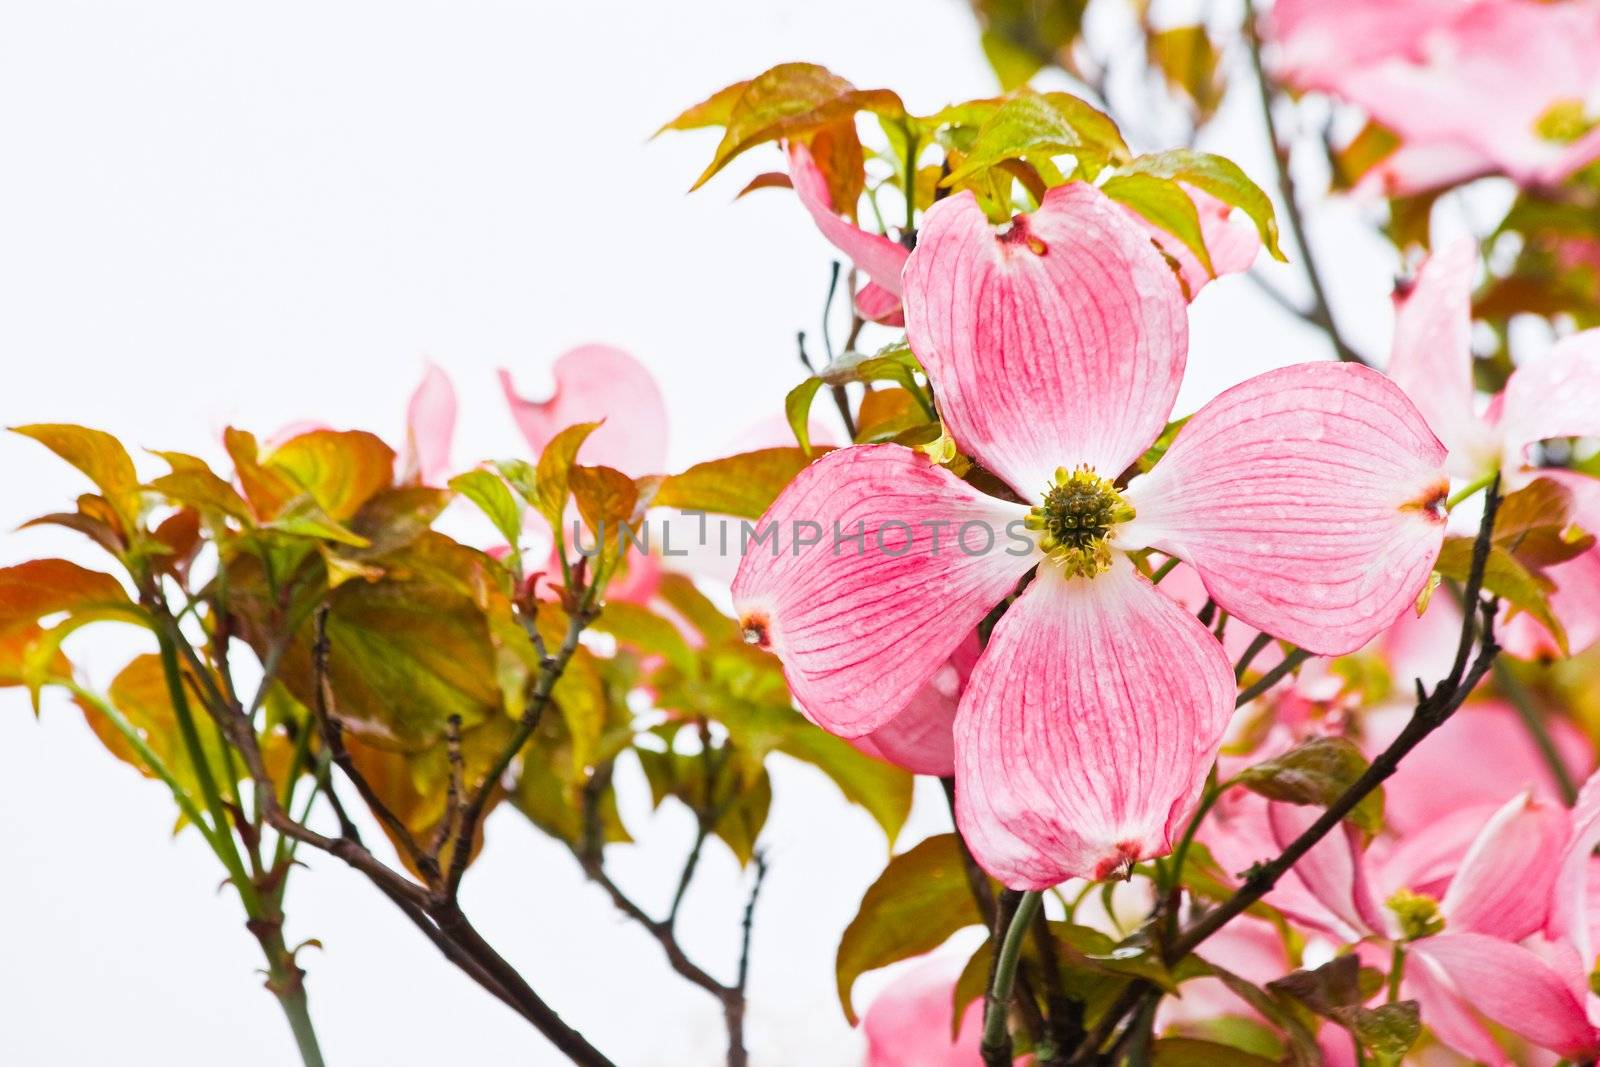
[(333, 739), (472, 813), (1321, 313), (440, 919)]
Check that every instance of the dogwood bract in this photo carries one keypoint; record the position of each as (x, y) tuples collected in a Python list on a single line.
[(1309, 499)]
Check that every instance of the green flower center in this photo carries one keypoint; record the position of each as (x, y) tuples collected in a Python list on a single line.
[(1075, 522), (1418, 914)]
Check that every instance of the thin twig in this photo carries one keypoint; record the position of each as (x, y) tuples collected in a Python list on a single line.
[(1321, 314)]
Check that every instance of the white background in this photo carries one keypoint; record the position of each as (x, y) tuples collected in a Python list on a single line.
[(213, 213)]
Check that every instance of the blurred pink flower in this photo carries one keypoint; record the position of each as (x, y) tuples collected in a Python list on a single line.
[(1466, 86), (1557, 395), (1306, 498), (595, 383), (908, 1025)]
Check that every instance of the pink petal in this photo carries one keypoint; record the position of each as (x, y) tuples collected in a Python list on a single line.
[(1425, 859), (1058, 342), (877, 257), (877, 304), (1319, 43), (1239, 834), (1556, 396), (908, 1024), (921, 739), (430, 425), (1481, 82), (1446, 1014), (1432, 356), (1429, 785), (598, 382), (860, 631), (1503, 886), (1308, 498), (1418, 167), (1569, 901), (1335, 870), (1232, 243), (1088, 727), (1514, 988)]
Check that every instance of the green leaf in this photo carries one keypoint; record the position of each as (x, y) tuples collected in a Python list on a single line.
[(1504, 576), (205, 492), (1338, 989), (883, 790), (741, 795), (553, 475), (920, 899), (1389, 1030), (1154, 453), (1317, 771), (1042, 125), (787, 100), (492, 498), (1162, 203), (304, 517), (1221, 178), (1188, 59), (640, 628), (407, 651), (98, 455), (797, 407), (680, 592), (743, 485), (1303, 1049), (1337, 983), (1192, 1052)]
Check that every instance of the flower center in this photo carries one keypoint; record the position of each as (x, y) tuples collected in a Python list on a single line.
[(1075, 521)]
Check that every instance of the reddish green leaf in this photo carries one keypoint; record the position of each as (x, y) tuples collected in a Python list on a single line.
[(340, 469), (744, 485)]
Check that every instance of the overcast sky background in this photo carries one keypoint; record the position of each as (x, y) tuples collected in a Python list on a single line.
[(213, 213)]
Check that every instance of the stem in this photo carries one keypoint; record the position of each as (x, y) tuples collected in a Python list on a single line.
[(1257, 645), (1513, 690), (996, 1047), (1273, 677), (1321, 313), (1467, 490)]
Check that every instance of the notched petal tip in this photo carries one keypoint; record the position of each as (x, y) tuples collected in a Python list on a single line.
[(1118, 865), (1431, 502), (756, 629)]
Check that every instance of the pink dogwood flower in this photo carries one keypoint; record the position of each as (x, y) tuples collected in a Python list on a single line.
[(1557, 395), (594, 383), (1471, 88), (1494, 922), (908, 1024), (1308, 499)]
